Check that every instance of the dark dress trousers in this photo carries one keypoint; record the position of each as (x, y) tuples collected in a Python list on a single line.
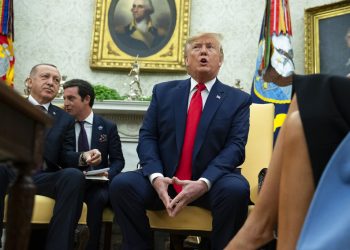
[(106, 139), (65, 185), (219, 149)]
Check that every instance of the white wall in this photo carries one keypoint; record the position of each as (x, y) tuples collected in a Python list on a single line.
[(60, 31)]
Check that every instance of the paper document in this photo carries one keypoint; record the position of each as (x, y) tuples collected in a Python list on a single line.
[(97, 171), (99, 178), (95, 174)]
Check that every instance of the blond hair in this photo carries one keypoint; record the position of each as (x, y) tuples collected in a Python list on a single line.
[(217, 36)]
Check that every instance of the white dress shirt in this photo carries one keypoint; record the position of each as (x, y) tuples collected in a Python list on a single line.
[(34, 102)]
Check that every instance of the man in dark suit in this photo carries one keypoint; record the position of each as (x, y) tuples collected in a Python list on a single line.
[(209, 148), (102, 134), (56, 178)]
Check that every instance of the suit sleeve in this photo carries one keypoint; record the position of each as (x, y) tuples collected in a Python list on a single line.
[(147, 147), (115, 154), (232, 153), (69, 157)]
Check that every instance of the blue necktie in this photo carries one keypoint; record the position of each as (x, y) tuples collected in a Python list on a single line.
[(83, 144)]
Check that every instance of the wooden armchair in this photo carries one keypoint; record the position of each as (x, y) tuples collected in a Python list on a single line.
[(198, 221)]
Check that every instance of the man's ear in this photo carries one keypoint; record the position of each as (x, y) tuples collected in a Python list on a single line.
[(87, 99), (28, 82), (186, 61)]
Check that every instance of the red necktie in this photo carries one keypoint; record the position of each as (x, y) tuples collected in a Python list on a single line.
[(184, 170)]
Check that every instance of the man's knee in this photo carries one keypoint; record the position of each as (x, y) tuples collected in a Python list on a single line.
[(74, 172), (235, 192), (119, 185), (72, 176)]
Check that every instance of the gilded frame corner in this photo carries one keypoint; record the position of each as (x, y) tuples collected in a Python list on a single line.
[(109, 52), (324, 23)]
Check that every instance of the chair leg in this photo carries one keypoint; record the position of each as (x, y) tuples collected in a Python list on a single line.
[(108, 236), (82, 234), (176, 241)]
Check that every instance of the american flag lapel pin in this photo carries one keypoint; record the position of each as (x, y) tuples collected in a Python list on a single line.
[(218, 97)]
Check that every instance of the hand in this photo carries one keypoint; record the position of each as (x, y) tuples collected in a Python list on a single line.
[(161, 184), (92, 157), (191, 190)]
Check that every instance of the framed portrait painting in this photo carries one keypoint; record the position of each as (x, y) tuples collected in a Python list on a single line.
[(154, 31), (327, 39)]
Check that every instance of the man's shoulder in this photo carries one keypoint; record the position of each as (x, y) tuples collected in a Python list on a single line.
[(233, 90), (233, 93), (171, 84), (60, 116), (55, 110), (102, 120)]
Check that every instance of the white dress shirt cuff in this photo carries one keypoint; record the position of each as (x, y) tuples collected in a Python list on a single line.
[(153, 176), (206, 182)]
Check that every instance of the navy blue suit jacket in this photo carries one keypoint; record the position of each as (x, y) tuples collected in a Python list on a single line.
[(59, 147), (106, 139), (221, 136)]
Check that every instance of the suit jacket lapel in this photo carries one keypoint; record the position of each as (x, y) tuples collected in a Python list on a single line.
[(180, 102), (215, 98), (54, 114), (97, 129)]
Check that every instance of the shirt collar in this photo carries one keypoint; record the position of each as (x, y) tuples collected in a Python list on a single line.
[(34, 102), (208, 84), (145, 23), (90, 118)]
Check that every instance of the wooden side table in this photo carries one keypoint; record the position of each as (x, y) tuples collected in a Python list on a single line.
[(22, 129)]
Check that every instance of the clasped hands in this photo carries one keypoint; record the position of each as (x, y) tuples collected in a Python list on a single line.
[(191, 190), (92, 157)]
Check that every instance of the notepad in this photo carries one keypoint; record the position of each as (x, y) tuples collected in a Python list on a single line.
[(94, 174), (98, 178)]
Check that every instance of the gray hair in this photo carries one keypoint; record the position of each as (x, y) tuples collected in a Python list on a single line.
[(148, 6), (34, 68)]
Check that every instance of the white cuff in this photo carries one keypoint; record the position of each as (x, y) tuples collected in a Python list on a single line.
[(153, 176), (206, 182)]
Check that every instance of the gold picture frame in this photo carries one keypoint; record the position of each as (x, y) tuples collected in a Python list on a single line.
[(113, 49), (327, 39)]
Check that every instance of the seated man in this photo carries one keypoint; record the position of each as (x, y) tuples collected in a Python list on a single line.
[(191, 142), (101, 134), (55, 179)]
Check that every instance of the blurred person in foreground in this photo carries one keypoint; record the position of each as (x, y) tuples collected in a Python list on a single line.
[(317, 121)]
